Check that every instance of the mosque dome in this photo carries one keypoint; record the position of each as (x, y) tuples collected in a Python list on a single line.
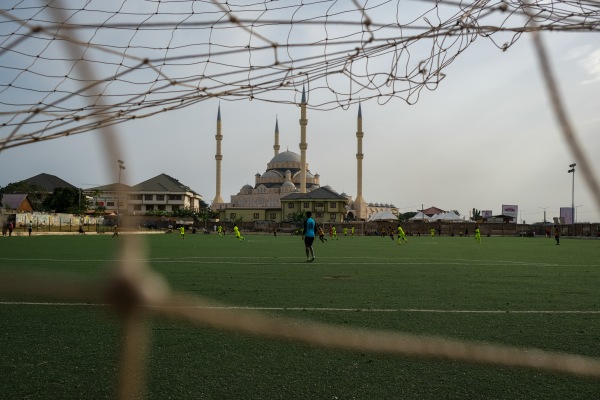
[(308, 174), (286, 156), (271, 174), (288, 187), (246, 189)]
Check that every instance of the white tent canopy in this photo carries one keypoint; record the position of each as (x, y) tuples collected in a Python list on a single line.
[(448, 216), (386, 215), (420, 217)]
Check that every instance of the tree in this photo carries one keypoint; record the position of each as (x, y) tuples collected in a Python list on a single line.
[(158, 213), (206, 213), (95, 195), (296, 217), (184, 212), (65, 200), (476, 214), (406, 216)]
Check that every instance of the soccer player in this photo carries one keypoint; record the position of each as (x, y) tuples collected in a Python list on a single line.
[(556, 234), (401, 235), (238, 235), (308, 235), (334, 233), (432, 230), (115, 231), (182, 232), (352, 231), (220, 230), (321, 235), (345, 230), (477, 234)]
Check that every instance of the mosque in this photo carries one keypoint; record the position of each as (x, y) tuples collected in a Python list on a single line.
[(288, 186)]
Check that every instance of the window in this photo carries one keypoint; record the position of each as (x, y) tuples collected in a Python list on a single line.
[(332, 216), (162, 207), (148, 196), (273, 216), (256, 216), (174, 197), (110, 204), (290, 205), (160, 197), (319, 204), (149, 207), (232, 216), (306, 204), (175, 207), (332, 204), (137, 207), (318, 215)]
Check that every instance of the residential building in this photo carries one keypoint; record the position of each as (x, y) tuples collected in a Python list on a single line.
[(162, 192), (16, 202), (326, 205)]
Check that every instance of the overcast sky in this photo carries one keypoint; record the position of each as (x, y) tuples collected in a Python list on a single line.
[(485, 137)]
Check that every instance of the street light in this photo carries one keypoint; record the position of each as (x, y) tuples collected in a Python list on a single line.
[(121, 168), (572, 170)]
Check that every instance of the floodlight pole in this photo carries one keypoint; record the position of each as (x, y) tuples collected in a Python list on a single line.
[(121, 168), (572, 170)]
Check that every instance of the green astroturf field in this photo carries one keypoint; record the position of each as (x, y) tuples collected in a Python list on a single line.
[(522, 292)]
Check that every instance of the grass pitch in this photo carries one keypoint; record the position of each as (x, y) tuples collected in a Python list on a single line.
[(523, 292)]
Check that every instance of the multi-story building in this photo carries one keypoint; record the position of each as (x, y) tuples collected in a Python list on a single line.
[(325, 204), (162, 192)]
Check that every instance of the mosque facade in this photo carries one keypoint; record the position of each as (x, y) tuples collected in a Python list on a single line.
[(288, 186)]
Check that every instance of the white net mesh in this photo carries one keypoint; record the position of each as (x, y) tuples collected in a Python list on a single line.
[(150, 57)]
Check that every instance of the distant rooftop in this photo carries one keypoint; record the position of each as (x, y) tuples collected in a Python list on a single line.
[(48, 182)]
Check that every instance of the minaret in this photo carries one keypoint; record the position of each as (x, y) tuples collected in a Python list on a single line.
[(359, 202), (276, 146), (218, 199), (303, 145)]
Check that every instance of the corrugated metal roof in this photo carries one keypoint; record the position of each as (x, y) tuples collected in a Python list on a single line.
[(13, 201)]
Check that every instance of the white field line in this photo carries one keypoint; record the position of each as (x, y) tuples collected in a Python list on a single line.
[(298, 260), (374, 310)]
